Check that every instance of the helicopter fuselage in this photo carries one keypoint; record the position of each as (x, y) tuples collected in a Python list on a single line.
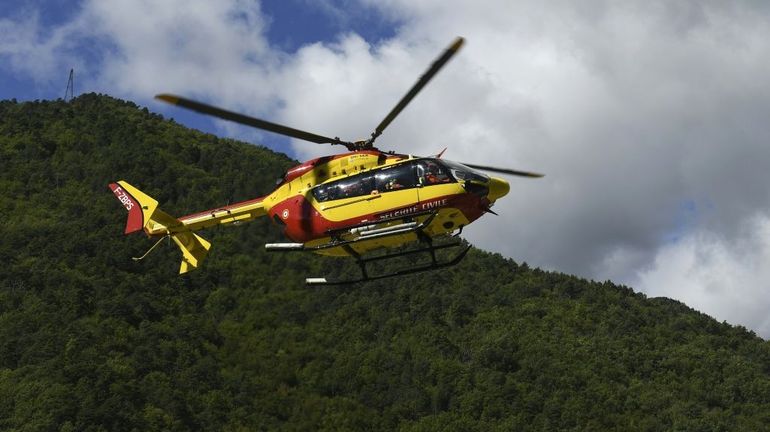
[(327, 199)]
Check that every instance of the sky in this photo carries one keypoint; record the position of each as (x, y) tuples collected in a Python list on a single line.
[(649, 118)]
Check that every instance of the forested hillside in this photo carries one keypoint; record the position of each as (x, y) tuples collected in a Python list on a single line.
[(91, 340)]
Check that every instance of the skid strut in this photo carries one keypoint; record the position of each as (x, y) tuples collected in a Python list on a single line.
[(369, 232)]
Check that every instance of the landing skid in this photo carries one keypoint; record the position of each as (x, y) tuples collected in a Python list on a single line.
[(369, 232), (362, 262)]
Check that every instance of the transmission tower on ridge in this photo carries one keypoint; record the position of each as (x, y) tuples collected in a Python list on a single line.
[(70, 92)]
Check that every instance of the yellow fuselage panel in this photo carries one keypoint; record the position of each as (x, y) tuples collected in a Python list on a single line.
[(446, 221)]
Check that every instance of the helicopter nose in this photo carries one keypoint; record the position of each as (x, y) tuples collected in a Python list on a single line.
[(498, 188)]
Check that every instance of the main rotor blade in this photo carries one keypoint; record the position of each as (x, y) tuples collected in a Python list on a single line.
[(247, 120), (431, 72), (504, 170)]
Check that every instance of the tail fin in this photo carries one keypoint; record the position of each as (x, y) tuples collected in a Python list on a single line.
[(143, 213), (141, 207)]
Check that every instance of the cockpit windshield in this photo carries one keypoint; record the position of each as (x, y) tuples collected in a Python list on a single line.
[(462, 172)]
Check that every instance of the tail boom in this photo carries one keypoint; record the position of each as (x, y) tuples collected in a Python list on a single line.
[(144, 214), (239, 212)]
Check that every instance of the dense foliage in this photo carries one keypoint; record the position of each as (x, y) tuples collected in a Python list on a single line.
[(91, 340)]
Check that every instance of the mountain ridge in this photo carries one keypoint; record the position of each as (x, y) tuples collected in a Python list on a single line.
[(91, 340)]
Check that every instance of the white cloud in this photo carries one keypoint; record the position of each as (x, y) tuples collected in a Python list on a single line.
[(31, 51), (648, 117), (136, 49), (727, 278), (204, 48)]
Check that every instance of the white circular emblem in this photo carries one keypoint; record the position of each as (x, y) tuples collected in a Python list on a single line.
[(285, 214)]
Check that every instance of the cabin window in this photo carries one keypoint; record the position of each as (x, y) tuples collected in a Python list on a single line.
[(389, 179), (353, 186), (395, 178)]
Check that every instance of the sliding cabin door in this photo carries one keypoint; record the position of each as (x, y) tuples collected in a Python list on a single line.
[(384, 193)]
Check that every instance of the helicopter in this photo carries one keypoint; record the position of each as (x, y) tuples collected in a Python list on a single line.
[(350, 204)]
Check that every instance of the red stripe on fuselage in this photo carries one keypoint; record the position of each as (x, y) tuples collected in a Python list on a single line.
[(304, 223)]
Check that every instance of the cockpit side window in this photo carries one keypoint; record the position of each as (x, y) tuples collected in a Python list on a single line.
[(431, 172), (464, 173)]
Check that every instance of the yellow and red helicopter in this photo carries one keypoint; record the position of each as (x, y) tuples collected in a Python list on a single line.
[(347, 204)]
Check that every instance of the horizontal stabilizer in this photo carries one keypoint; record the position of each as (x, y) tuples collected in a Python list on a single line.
[(194, 250)]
